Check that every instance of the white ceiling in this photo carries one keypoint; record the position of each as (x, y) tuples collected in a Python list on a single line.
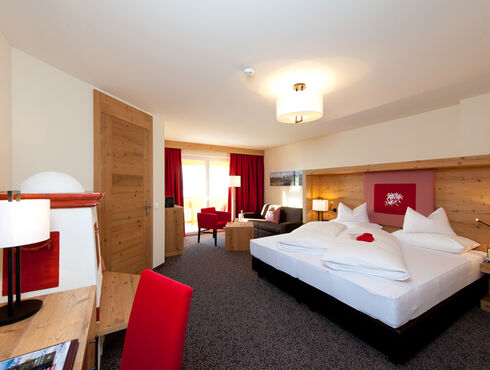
[(183, 59)]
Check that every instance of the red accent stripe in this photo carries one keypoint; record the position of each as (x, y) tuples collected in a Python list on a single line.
[(65, 200)]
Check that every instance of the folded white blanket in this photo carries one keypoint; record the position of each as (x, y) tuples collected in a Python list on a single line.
[(302, 246), (382, 257), (311, 238), (317, 229)]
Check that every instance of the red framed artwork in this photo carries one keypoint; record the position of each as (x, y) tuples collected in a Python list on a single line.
[(40, 268), (388, 194), (394, 199)]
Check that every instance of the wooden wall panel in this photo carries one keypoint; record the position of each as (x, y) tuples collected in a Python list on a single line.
[(465, 195), (336, 188), (464, 192), (211, 148), (454, 162)]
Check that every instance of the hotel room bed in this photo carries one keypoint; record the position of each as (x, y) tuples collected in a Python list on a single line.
[(394, 316)]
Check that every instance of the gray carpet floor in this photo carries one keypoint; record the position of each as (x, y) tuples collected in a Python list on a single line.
[(238, 321)]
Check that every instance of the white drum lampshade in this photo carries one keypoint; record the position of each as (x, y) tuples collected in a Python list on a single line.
[(21, 223), (320, 205), (299, 106), (235, 181), (24, 222)]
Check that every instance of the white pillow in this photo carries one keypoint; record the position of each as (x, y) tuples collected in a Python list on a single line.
[(367, 225), (439, 242), (437, 222), (358, 214)]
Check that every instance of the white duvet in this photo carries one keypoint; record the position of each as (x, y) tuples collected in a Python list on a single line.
[(313, 238), (340, 251), (382, 257)]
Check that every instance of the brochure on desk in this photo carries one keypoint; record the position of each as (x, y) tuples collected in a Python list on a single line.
[(63, 359)]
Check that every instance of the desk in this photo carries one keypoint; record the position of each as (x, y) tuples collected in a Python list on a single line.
[(64, 316), (116, 301)]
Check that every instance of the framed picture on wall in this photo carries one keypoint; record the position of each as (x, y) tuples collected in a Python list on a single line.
[(286, 178)]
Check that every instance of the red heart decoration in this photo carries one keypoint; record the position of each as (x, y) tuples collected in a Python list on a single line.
[(366, 237)]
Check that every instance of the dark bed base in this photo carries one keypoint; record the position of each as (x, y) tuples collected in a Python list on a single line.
[(398, 344)]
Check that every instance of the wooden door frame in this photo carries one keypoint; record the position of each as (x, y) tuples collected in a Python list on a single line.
[(106, 104)]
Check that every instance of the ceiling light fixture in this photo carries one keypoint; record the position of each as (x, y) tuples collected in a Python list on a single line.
[(299, 106)]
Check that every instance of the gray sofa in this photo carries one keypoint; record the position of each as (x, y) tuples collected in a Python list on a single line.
[(291, 218)]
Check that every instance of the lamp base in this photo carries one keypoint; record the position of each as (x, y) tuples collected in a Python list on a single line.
[(22, 311)]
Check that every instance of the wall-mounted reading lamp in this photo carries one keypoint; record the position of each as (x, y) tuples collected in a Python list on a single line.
[(480, 221)]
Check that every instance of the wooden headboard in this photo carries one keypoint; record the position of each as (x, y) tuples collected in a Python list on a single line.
[(462, 188)]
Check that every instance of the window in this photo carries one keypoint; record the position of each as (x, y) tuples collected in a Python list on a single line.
[(205, 185)]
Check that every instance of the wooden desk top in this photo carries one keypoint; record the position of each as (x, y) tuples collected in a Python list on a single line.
[(116, 301), (64, 316)]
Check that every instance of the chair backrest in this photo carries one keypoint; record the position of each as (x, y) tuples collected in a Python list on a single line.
[(208, 210), (157, 324)]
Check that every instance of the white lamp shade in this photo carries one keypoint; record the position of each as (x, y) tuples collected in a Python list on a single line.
[(24, 222), (235, 181), (292, 106), (320, 205), (51, 182)]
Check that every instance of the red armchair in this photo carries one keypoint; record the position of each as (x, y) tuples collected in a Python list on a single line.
[(211, 219)]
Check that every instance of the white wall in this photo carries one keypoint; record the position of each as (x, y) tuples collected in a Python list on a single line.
[(52, 122), (158, 191), (5, 115), (475, 125), (462, 129), (52, 129)]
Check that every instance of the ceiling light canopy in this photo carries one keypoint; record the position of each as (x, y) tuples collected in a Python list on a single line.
[(299, 106)]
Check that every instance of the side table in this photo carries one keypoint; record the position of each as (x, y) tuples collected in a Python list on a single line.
[(238, 235), (485, 302)]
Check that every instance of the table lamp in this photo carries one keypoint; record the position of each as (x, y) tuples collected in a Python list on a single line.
[(320, 205), (235, 182), (22, 222)]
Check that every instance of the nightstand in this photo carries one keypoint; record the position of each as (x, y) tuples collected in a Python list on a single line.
[(485, 302)]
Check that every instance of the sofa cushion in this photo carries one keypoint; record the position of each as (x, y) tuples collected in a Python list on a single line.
[(221, 224), (290, 214), (273, 215), (265, 208)]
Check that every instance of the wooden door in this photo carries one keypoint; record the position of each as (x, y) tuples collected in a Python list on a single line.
[(123, 171)]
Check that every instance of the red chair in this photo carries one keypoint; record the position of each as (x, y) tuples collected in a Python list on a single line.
[(211, 219), (157, 324)]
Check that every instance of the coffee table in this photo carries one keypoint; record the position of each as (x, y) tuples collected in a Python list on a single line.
[(238, 235)]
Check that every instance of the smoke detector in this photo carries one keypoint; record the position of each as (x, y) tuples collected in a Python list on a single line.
[(249, 71)]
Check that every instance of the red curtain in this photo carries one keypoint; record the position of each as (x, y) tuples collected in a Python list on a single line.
[(174, 184), (250, 195)]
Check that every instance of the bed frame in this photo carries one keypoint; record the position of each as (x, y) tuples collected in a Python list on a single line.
[(398, 344)]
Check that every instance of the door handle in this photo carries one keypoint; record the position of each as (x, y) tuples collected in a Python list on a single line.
[(147, 208)]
